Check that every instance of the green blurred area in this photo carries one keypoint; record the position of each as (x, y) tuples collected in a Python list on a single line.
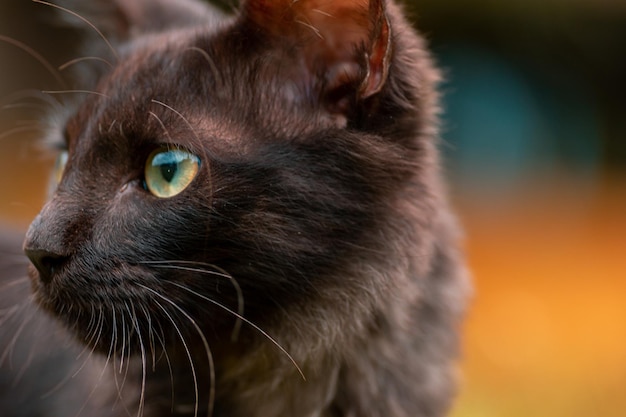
[(532, 85)]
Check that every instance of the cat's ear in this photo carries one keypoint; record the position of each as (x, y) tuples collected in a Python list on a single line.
[(344, 44)]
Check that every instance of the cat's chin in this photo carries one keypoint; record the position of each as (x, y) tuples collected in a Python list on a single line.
[(111, 330), (128, 310)]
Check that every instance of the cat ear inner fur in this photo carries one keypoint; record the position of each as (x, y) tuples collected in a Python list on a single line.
[(345, 45)]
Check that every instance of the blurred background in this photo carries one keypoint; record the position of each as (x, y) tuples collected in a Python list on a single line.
[(535, 145)]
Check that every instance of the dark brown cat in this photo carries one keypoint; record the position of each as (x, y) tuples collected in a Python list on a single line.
[(249, 218)]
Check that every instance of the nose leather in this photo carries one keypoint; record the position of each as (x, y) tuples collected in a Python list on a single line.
[(47, 263)]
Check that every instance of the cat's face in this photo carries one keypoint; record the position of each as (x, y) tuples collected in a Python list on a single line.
[(219, 171)]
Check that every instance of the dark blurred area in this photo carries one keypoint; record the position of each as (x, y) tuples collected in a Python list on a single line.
[(534, 138), (533, 85)]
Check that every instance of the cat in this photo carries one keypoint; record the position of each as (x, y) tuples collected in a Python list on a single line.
[(248, 219)]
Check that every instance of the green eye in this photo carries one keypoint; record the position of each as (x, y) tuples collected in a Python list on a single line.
[(169, 171), (59, 166)]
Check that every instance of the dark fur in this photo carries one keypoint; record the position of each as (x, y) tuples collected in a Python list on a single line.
[(319, 195)]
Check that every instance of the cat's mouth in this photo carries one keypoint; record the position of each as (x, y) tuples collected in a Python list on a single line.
[(86, 284), (106, 309)]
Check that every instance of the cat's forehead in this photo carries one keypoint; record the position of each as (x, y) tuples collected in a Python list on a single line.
[(160, 64), (161, 83), (211, 83)]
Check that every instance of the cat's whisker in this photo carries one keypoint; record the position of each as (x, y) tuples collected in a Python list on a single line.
[(183, 118), (161, 339), (127, 339), (211, 62), (123, 358), (8, 351), (113, 356), (9, 313), (114, 341), (167, 133), (83, 59), (15, 281), (315, 30), (27, 122), (71, 376), (123, 329), (220, 273), (13, 100), (99, 328), (245, 320), (76, 92), (142, 397), (97, 382), (29, 131), (37, 105), (7, 355), (31, 355), (58, 386), (206, 348), (91, 25), (118, 371), (30, 51), (91, 333), (187, 351), (93, 340), (18, 130), (42, 107), (150, 336), (22, 127), (112, 125), (323, 13)]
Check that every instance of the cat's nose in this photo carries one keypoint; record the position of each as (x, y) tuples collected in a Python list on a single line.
[(47, 263)]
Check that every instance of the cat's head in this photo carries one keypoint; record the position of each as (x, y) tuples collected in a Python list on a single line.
[(226, 166)]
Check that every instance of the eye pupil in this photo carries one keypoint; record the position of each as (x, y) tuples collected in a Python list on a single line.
[(168, 171)]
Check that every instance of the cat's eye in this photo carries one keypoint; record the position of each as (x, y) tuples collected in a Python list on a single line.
[(169, 171), (59, 166)]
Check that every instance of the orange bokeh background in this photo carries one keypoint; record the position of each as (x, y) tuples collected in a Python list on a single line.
[(546, 335)]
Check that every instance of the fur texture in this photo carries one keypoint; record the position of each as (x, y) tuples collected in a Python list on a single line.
[(310, 269)]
